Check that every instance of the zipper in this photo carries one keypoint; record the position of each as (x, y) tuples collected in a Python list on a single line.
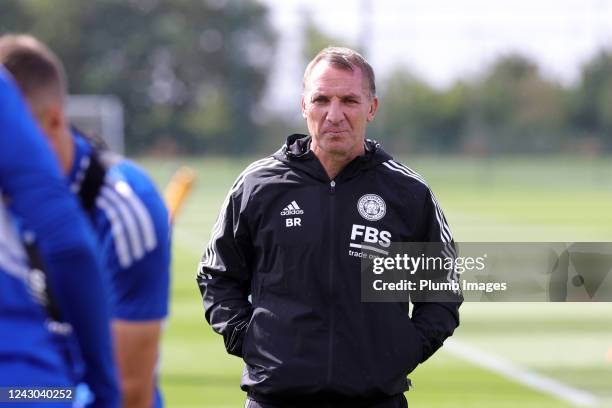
[(330, 348)]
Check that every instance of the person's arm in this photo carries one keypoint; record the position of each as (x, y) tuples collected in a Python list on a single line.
[(224, 275), (30, 178), (140, 278), (435, 321), (136, 349)]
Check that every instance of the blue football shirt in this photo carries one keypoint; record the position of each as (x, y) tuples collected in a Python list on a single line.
[(34, 195)]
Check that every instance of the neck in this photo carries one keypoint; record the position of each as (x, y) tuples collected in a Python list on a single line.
[(334, 163), (66, 152)]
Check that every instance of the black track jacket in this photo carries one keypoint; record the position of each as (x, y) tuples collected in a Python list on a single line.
[(284, 236)]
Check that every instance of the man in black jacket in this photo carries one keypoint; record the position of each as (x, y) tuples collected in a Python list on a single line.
[(287, 235)]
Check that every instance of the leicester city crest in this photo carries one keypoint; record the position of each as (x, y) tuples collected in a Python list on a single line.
[(371, 207)]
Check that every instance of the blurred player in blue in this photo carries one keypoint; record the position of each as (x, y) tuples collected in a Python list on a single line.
[(128, 214), (65, 287)]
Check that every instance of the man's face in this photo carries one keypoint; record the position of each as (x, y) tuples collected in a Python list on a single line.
[(50, 119), (337, 107)]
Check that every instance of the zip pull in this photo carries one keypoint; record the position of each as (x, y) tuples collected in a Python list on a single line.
[(332, 186)]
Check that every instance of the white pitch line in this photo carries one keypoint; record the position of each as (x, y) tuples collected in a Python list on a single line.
[(514, 372)]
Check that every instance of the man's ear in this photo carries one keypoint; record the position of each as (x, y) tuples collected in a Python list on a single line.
[(52, 121), (55, 127), (373, 109)]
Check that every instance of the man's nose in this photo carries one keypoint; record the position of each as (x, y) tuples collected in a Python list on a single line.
[(335, 114)]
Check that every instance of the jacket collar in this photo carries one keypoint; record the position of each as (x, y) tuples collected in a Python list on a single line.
[(296, 153)]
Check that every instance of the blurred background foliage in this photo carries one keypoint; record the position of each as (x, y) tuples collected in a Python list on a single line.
[(192, 77), (189, 73)]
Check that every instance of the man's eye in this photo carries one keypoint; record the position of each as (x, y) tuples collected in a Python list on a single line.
[(351, 101), (319, 100)]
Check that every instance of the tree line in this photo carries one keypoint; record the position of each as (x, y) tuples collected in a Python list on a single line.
[(191, 76), (510, 108)]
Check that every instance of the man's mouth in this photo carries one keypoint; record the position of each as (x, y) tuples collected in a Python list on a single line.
[(335, 132)]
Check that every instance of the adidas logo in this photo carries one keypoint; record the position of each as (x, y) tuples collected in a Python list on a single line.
[(292, 209)]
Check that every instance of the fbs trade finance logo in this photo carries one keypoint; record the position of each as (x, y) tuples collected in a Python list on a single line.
[(292, 209)]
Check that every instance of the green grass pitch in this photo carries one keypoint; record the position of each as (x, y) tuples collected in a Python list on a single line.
[(504, 199)]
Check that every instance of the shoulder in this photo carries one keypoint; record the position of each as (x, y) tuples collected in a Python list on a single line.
[(135, 210), (403, 175), (259, 172), (132, 183), (128, 172)]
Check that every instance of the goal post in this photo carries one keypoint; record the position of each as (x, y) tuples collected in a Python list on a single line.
[(99, 114)]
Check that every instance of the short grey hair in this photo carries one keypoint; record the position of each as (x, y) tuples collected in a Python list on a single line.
[(343, 58)]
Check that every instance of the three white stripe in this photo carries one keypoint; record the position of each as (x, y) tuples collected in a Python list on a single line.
[(210, 256), (445, 233), (131, 224), (218, 228)]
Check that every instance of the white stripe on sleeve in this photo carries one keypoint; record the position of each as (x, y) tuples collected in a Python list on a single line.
[(210, 257), (128, 219), (117, 230)]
